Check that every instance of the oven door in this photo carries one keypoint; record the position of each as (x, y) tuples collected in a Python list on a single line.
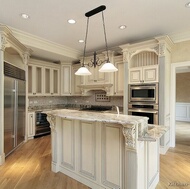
[(143, 93), (150, 113)]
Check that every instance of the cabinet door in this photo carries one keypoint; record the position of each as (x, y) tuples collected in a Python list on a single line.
[(150, 74), (55, 82), (96, 77), (76, 81), (35, 80), (135, 75), (66, 80), (112, 148), (119, 79), (51, 86), (31, 125)]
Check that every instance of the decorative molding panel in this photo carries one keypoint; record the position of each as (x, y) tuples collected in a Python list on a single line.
[(112, 155), (183, 111), (87, 149), (68, 144)]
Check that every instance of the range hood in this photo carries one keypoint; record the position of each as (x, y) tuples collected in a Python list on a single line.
[(86, 89)]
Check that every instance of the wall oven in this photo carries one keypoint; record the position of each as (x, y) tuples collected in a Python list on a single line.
[(143, 93), (146, 110)]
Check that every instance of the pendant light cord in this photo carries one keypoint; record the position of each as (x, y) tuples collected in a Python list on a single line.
[(105, 36), (84, 53)]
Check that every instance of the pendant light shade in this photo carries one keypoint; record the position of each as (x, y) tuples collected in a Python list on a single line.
[(83, 71), (108, 67)]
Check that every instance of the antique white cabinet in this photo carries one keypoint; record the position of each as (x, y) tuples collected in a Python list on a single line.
[(66, 77), (76, 81), (52, 81), (119, 76), (31, 125), (35, 80), (43, 78), (144, 74)]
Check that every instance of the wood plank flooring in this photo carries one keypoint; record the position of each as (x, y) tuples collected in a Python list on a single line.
[(29, 167)]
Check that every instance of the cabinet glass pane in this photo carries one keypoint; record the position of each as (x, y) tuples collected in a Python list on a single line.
[(29, 79), (47, 80), (38, 80), (55, 81)]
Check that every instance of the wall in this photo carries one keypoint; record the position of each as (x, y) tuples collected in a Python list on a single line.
[(183, 87), (181, 52), (74, 101)]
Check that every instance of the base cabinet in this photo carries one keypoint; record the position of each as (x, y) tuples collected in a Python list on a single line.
[(88, 150), (31, 125)]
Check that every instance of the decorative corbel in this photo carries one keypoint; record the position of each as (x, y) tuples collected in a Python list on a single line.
[(129, 133), (52, 120)]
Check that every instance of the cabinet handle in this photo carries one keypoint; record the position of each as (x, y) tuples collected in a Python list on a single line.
[(95, 80)]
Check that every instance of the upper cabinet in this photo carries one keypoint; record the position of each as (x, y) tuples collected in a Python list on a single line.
[(35, 80), (143, 68), (43, 78), (52, 81), (119, 76)]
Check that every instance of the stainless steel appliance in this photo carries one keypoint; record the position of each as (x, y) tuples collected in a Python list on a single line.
[(146, 110), (143, 93), (14, 107), (42, 125)]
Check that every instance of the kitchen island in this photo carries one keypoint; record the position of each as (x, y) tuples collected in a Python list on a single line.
[(105, 150)]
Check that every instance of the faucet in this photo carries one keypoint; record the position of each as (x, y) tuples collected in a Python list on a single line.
[(117, 109)]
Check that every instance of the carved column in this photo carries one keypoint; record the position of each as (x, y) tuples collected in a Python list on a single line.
[(2, 49)]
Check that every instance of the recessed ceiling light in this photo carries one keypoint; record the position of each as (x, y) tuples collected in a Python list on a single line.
[(81, 41), (187, 5), (122, 27), (71, 21), (25, 16)]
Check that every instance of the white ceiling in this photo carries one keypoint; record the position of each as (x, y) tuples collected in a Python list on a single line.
[(48, 19)]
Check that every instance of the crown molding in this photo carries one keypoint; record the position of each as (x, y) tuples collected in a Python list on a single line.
[(180, 36), (43, 44)]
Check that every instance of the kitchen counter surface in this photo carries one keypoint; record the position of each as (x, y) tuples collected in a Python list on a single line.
[(98, 116)]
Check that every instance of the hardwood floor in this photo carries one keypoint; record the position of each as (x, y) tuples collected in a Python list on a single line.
[(175, 165), (29, 166)]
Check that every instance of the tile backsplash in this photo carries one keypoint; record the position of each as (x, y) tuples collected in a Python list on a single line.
[(74, 101)]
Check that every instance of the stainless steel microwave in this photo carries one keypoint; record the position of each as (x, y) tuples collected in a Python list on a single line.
[(144, 93)]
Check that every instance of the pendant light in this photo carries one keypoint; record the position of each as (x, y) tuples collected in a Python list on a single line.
[(107, 66)]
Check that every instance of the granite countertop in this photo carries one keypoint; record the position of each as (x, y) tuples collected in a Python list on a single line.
[(153, 132), (98, 116)]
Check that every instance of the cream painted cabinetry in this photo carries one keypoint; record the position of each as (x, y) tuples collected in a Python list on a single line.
[(43, 78), (89, 149), (35, 80), (52, 81), (119, 76), (66, 77), (144, 74), (31, 125), (76, 81)]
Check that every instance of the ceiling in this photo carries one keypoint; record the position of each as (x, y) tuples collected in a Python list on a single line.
[(48, 20)]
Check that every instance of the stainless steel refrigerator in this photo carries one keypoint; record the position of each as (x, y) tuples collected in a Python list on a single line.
[(14, 107)]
